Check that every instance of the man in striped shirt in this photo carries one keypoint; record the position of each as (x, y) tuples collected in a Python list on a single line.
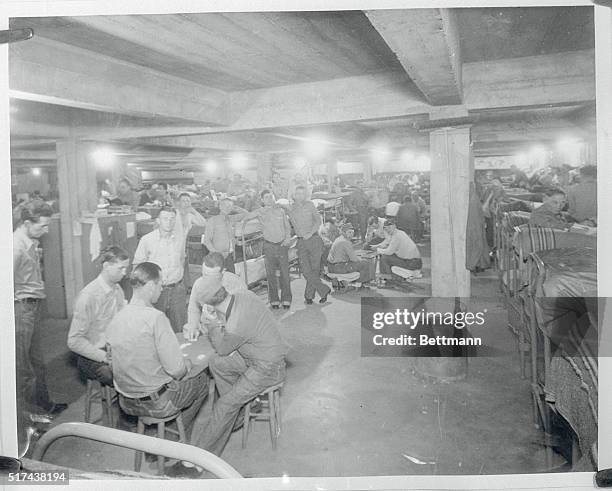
[(343, 259)]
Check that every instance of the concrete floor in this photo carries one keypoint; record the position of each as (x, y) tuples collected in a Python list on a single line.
[(345, 415)]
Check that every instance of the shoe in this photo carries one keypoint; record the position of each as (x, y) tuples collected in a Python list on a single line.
[(180, 470), (57, 408), (44, 419), (309, 301), (286, 307), (324, 298), (275, 307)]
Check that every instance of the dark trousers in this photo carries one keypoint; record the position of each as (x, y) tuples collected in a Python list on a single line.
[(364, 269), (229, 263), (324, 254), (387, 261), (309, 252), (187, 396), (173, 303), (32, 391), (95, 370), (276, 258), (238, 382)]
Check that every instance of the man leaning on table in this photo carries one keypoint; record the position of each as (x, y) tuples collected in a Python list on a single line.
[(251, 358), (150, 373), (212, 272)]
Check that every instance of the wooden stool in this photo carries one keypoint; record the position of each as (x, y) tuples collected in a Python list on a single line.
[(105, 395), (161, 433), (271, 412)]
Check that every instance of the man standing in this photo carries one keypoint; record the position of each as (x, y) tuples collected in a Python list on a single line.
[(166, 248), (212, 272), (95, 307), (408, 219), (398, 250), (277, 236), (251, 359), (219, 233), (29, 291), (186, 217), (150, 373), (280, 187), (306, 222), (126, 194), (343, 259), (582, 197)]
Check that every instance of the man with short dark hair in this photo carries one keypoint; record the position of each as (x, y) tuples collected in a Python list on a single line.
[(126, 194), (549, 213), (306, 222), (397, 250), (277, 237), (95, 307), (150, 373), (408, 219), (166, 248), (212, 271), (343, 259), (219, 233), (29, 293), (251, 359)]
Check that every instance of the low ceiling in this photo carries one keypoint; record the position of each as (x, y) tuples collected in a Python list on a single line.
[(174, 90)]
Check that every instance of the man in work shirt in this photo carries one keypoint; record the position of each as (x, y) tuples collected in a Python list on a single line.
[(398, 250), (165, 247), (306, 222), (95, 307), (251, 359), (549, 213), (219, 233), (212, 272), (277, 236), (343, 259), (33, 401), (150, 373)]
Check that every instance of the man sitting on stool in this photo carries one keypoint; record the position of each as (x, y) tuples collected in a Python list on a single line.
[(150, 374), (251, 359), (343, 259), (398, 250), (95, 307)]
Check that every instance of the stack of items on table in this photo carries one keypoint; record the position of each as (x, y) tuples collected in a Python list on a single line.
[(549, 277)]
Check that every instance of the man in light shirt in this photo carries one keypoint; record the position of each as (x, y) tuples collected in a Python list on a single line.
[(342, 257), (95, 307), (397, 249), (198, 312), (277, 237), (165, 247), (219, 233), (150, 373)]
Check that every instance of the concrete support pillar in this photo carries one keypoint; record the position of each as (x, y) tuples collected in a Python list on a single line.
[(603, 72), (368, 171), (452, 169), (77, 194)]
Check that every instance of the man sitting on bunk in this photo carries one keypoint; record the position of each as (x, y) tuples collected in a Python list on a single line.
[(343, 259), (398, 249), (198, 313), (549, 213)]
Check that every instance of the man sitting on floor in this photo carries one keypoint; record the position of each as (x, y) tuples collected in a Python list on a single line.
[(95, 307), (212, 271), (251, 359), (398, 250), (343, 259), (150, 373)]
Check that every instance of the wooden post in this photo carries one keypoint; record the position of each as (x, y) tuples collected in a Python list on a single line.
[(264, 168), (332, 172), (451, 171), (603, 70), (77, 194)]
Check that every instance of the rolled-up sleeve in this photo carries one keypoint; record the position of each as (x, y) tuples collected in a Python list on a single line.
[(168, 348)]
